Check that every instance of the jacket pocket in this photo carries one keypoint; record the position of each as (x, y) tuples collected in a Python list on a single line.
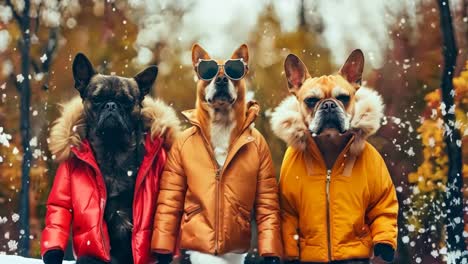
[(243, 217), (363, 233), (191, 211)]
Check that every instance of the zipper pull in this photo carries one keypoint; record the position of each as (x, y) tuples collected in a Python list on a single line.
[(328, 175), (218, 172)]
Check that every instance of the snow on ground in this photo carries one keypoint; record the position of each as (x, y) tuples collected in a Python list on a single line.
[(9, 259)]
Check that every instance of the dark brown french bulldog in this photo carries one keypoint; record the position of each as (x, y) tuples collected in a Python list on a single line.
[(112, 109)]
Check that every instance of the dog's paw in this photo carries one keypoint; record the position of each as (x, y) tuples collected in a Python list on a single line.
[(89, 260), (53, 256)]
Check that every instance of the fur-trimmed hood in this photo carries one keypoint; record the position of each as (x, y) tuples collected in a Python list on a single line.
[(69, 129), (288, 124)]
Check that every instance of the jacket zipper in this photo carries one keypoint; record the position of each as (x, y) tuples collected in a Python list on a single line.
[(218, 174), (104, 242), (328, 214)]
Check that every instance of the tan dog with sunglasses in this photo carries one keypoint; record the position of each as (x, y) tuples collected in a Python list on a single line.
[(218, 173)]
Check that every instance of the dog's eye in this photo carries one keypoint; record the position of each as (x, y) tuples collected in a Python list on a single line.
[(311, 101), (125, 101), (97, 99), (343, 98)]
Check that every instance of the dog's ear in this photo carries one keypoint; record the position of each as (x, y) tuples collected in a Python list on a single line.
[(241, 53), (198, 53), (145, 80), (296, 72), (353, 67), (83, 71)]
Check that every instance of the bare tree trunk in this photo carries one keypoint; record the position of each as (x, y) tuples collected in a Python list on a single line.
[(456, 248), (25, 102)]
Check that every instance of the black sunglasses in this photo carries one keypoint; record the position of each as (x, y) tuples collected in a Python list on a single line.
[(234, 69)]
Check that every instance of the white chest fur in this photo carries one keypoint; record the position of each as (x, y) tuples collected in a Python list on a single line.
[(220, 138), (229, 258)]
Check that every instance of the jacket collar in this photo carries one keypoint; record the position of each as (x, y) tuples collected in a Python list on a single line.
[(253, 110), (288, 124), (69, 130), (85, 153), (152, 147)]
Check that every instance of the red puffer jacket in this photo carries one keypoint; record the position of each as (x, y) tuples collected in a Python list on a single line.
[(78, 196)]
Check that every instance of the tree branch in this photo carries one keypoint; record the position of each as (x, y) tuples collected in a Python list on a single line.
[(454, 197), (50, 49)]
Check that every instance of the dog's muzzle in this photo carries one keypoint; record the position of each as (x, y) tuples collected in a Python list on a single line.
[(110, 119), (329, 114), (222, 94)]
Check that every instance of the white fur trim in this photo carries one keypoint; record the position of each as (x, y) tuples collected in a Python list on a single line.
[(229, 258), (68, 129), (289, 125), (368, 111)]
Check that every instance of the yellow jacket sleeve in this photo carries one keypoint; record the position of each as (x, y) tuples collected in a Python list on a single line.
[(289, 213), (382, 211)]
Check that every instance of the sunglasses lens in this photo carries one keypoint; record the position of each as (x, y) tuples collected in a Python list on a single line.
[(207, 69), (235, 69)]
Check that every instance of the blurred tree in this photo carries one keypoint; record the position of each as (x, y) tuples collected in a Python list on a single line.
[(29, 17), (426, 216), (270, 45), (454, 224)]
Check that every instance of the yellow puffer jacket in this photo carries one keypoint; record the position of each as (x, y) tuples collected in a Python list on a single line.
[(358, 210), (338, 213)]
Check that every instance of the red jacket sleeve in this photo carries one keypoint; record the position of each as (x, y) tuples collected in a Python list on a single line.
[(59, 212)]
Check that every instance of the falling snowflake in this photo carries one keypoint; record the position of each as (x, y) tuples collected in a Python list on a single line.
[(4, 138), (20, 78), (410, 152), (43, 58), (405, 239), (33, 142), (15, 217), (15, 150), (12, 245)]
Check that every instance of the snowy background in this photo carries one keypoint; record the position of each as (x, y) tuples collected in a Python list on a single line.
[(401, 41)]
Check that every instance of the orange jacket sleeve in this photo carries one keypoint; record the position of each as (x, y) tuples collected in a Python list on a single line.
[(59, 212), (267, 206), (289, 215), (170, 204), (382, 211)]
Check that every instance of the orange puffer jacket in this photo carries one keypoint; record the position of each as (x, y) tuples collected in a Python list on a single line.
[(209, 208)]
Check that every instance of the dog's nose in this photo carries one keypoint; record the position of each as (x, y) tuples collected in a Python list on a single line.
[(328, 106), (221, 80), (111, 106)]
